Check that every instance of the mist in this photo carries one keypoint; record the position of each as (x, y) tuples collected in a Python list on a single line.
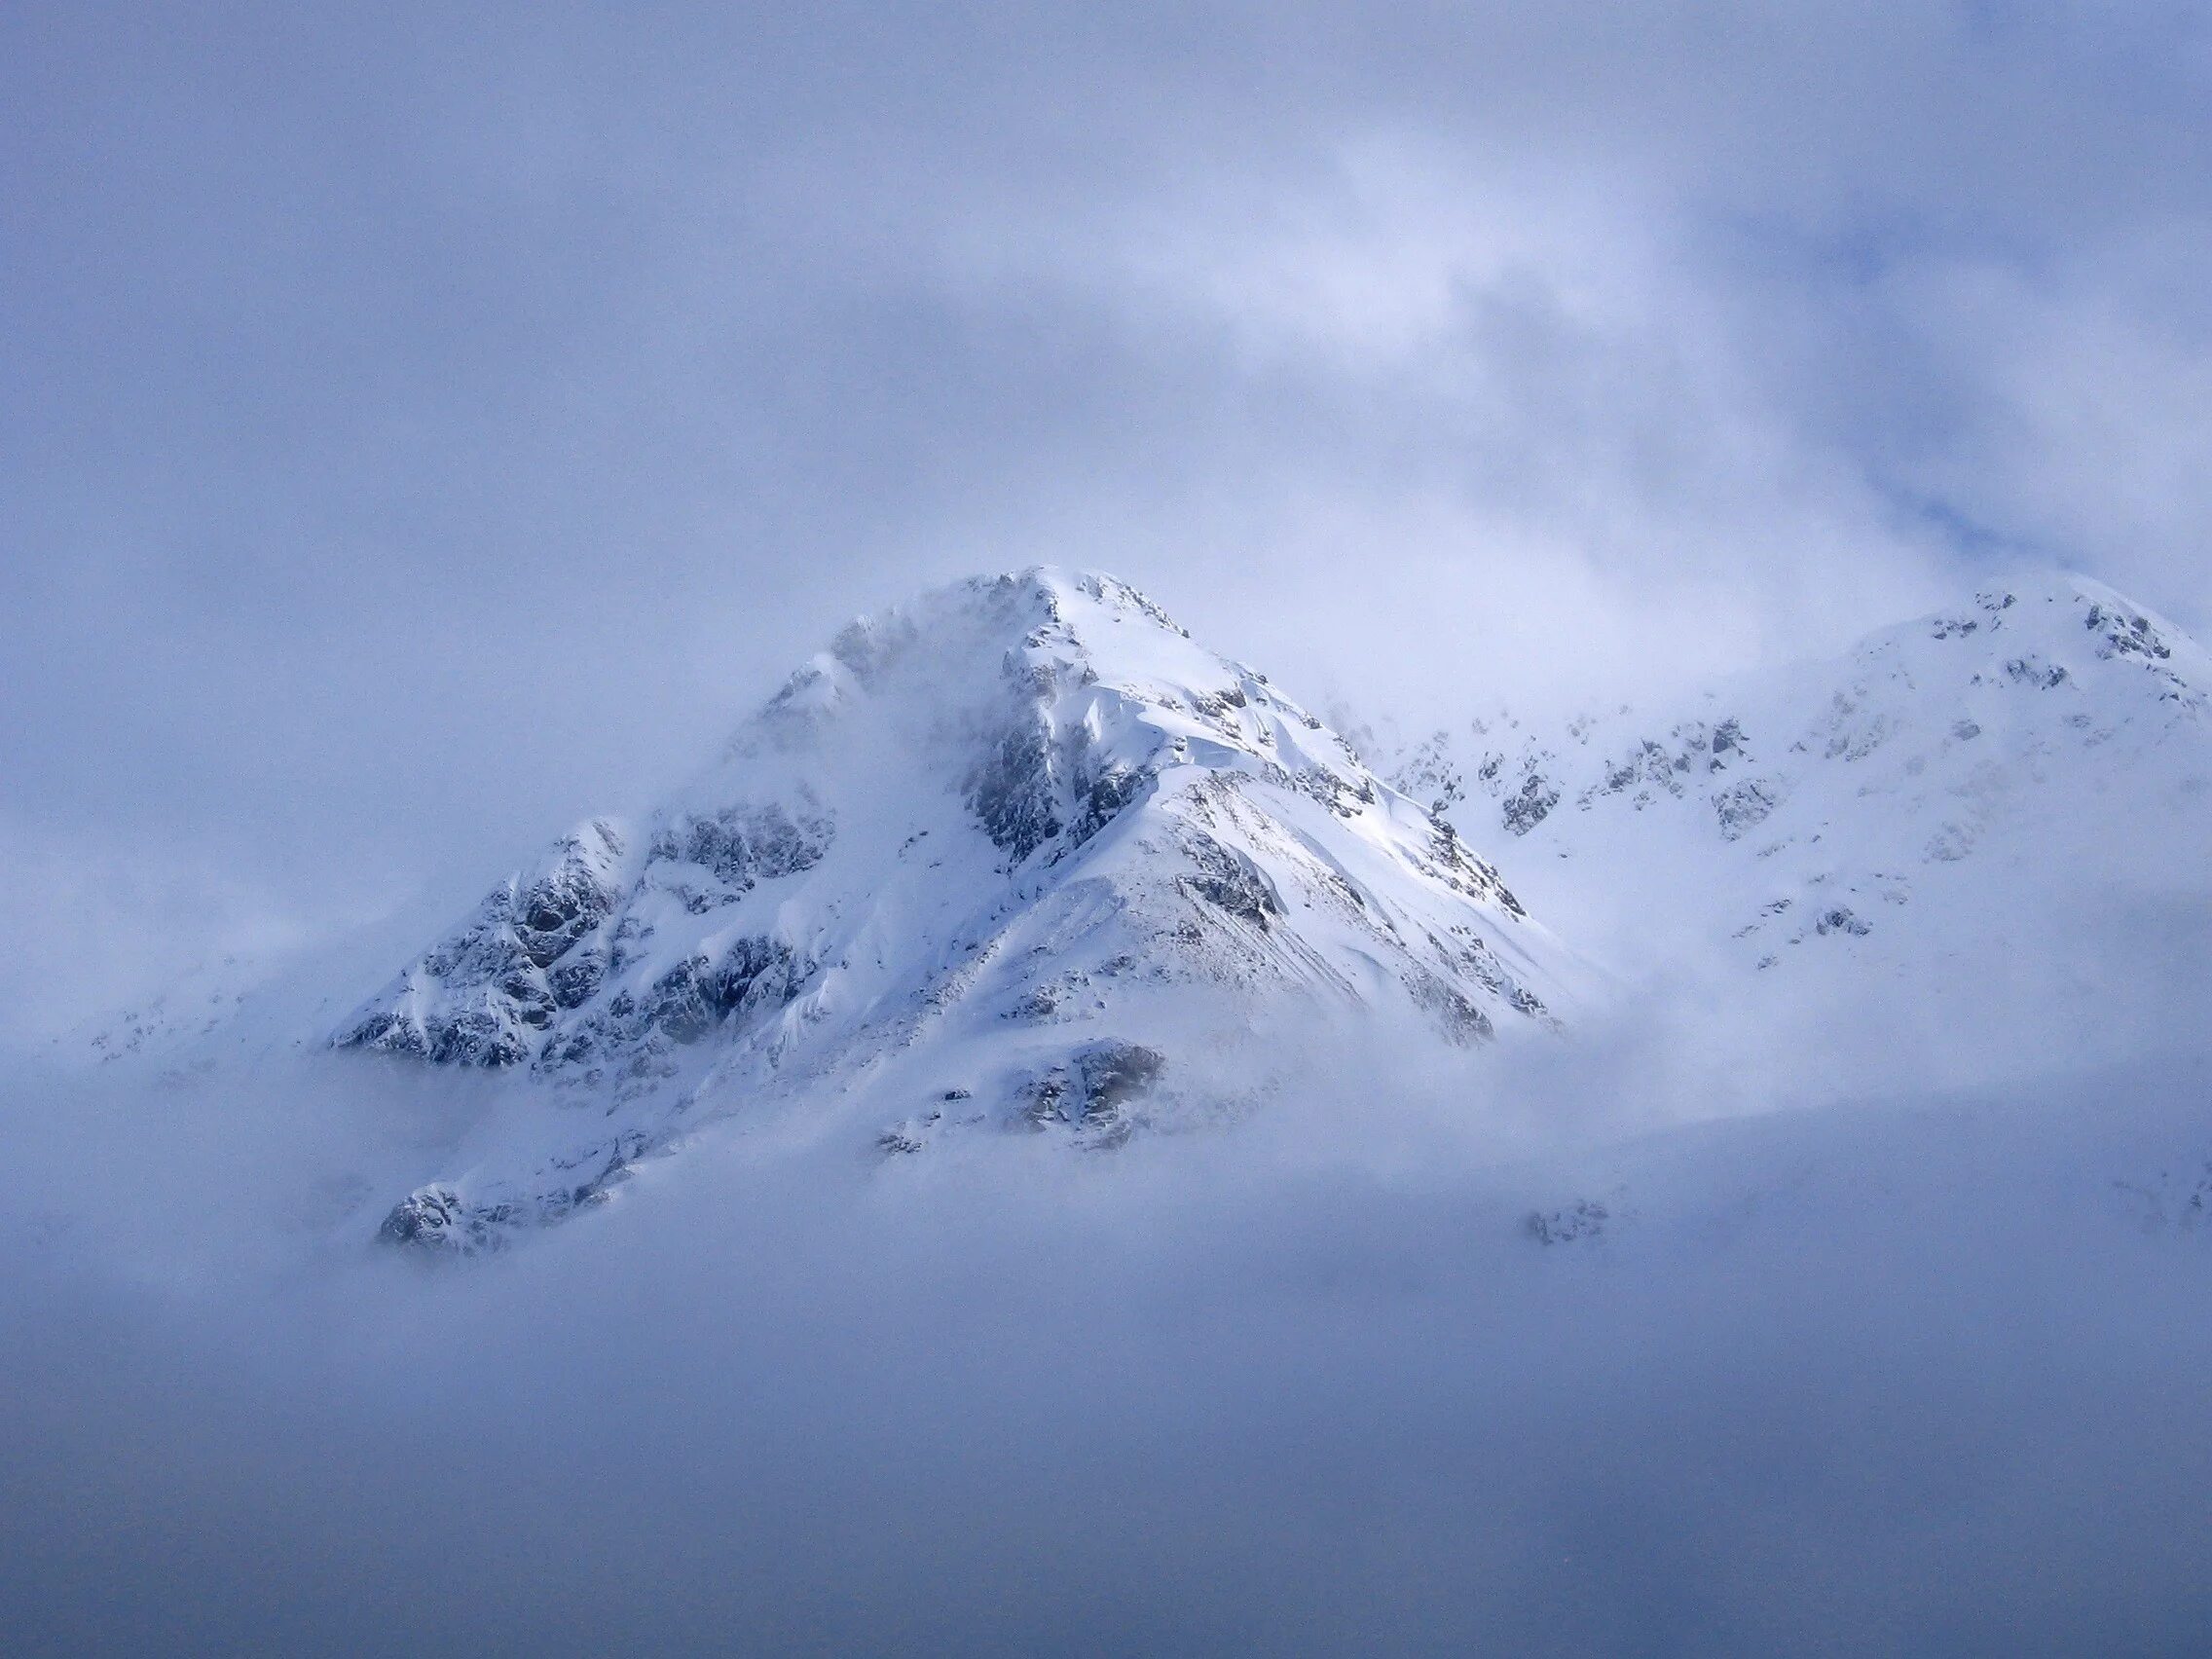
[(423, 429), (1580, 1343)]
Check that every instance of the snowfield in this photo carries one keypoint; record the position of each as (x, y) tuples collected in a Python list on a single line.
[(1020, 853), (1062, 1154), (1022, 856), (1990, 827)]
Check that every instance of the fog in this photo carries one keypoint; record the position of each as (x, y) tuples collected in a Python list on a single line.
[(1854, 1375), (425, 426)]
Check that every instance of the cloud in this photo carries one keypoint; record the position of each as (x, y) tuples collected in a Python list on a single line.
[(118, 919), (426, 428), (462, 421), (1308, 1384)]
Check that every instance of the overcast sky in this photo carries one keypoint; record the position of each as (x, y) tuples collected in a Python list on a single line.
[(422, 426)]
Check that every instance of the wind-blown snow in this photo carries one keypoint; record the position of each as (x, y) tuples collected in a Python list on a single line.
[(1003, 857)]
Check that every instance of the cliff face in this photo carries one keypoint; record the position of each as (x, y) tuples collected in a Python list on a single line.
[(1017, 840)]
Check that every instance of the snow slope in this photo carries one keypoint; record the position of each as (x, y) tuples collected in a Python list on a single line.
[(1021, 856), (1990, 811), (999, 858)]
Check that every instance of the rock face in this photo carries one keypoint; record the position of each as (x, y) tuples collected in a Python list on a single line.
[(1005, 849), (1911, 810)]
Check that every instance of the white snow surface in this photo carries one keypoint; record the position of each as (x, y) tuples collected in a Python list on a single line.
[(1573, 1337), (1992, 825), (1020, 858), (1004, 858)]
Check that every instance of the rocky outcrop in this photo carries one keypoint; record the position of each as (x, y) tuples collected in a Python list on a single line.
[(1024, 823), (1094, 1090), (485, 994)]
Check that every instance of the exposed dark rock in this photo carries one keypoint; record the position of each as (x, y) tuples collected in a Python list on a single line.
[(1230, 882), (1037, 1005), (1112, 1073), (1475, 877), (558, 909), (1216, 705), (1012, 791), (2033, 671), (1457, 1017), (1109, 793), (743, 845), (503, 956), (439, 1219), (1345, 798), (1583, 1219), (1092, 1089), (426, 1217), (1742, 807), (576, 981), (436, 1219), (2126, 636), (686, 1002), (1524, 811)]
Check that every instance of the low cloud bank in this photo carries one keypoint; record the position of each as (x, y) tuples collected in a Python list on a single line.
[(1918, 1375)]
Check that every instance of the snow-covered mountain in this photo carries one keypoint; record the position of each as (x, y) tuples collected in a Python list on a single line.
[(1008, 856), (1018, 870), (1957, 802), (1021, 856)]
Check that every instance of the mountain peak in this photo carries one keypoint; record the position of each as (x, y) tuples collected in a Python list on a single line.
[(1019, 843), (1042, 606), (1842, 821)]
